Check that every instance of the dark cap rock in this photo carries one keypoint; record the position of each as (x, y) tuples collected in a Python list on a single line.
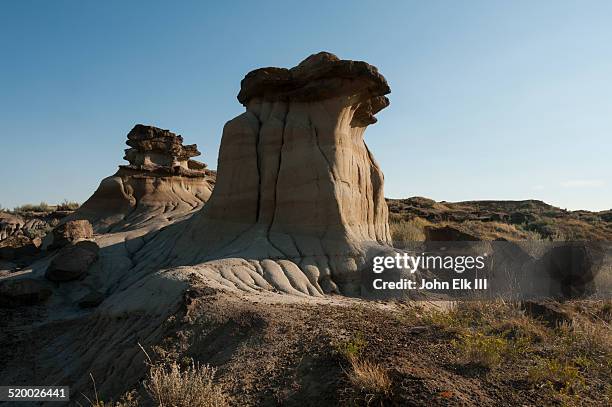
[(318, 77)]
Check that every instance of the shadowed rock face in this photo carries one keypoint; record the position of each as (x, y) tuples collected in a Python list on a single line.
[(296, 180), (160, 184)]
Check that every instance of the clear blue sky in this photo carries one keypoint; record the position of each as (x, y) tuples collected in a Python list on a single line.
[(490, 99)]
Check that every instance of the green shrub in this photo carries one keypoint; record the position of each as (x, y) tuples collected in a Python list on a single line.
[(353, 347)]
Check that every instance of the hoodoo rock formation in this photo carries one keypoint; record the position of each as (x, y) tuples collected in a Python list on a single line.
[(298, 208), (161, 183), (298, 204)]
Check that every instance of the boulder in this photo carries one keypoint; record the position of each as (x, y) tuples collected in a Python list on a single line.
[(72, 262), (23, 291), (39, 226), (71, 232)]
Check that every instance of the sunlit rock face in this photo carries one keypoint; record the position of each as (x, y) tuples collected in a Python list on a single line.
[(298, 195)]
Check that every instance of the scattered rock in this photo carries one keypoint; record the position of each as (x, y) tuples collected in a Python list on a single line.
[(29, 224), (10, 224), (23, 291), (72, 262), (19, 247), (92, 299)]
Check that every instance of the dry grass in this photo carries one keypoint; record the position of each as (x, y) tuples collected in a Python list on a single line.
[(170, 385), (370, 382), (370, 378), (592, 337), (472, 314), (494, 230), (67, 205), (41, 207), (569, 362), (408, 230)]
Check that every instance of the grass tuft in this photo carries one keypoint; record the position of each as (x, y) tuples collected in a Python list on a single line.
[(170, 385), (370, 378)]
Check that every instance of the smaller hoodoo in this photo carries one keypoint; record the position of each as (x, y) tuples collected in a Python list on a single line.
[(160, 184)]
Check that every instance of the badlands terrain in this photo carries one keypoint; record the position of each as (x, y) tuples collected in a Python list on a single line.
[(174, 284)]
